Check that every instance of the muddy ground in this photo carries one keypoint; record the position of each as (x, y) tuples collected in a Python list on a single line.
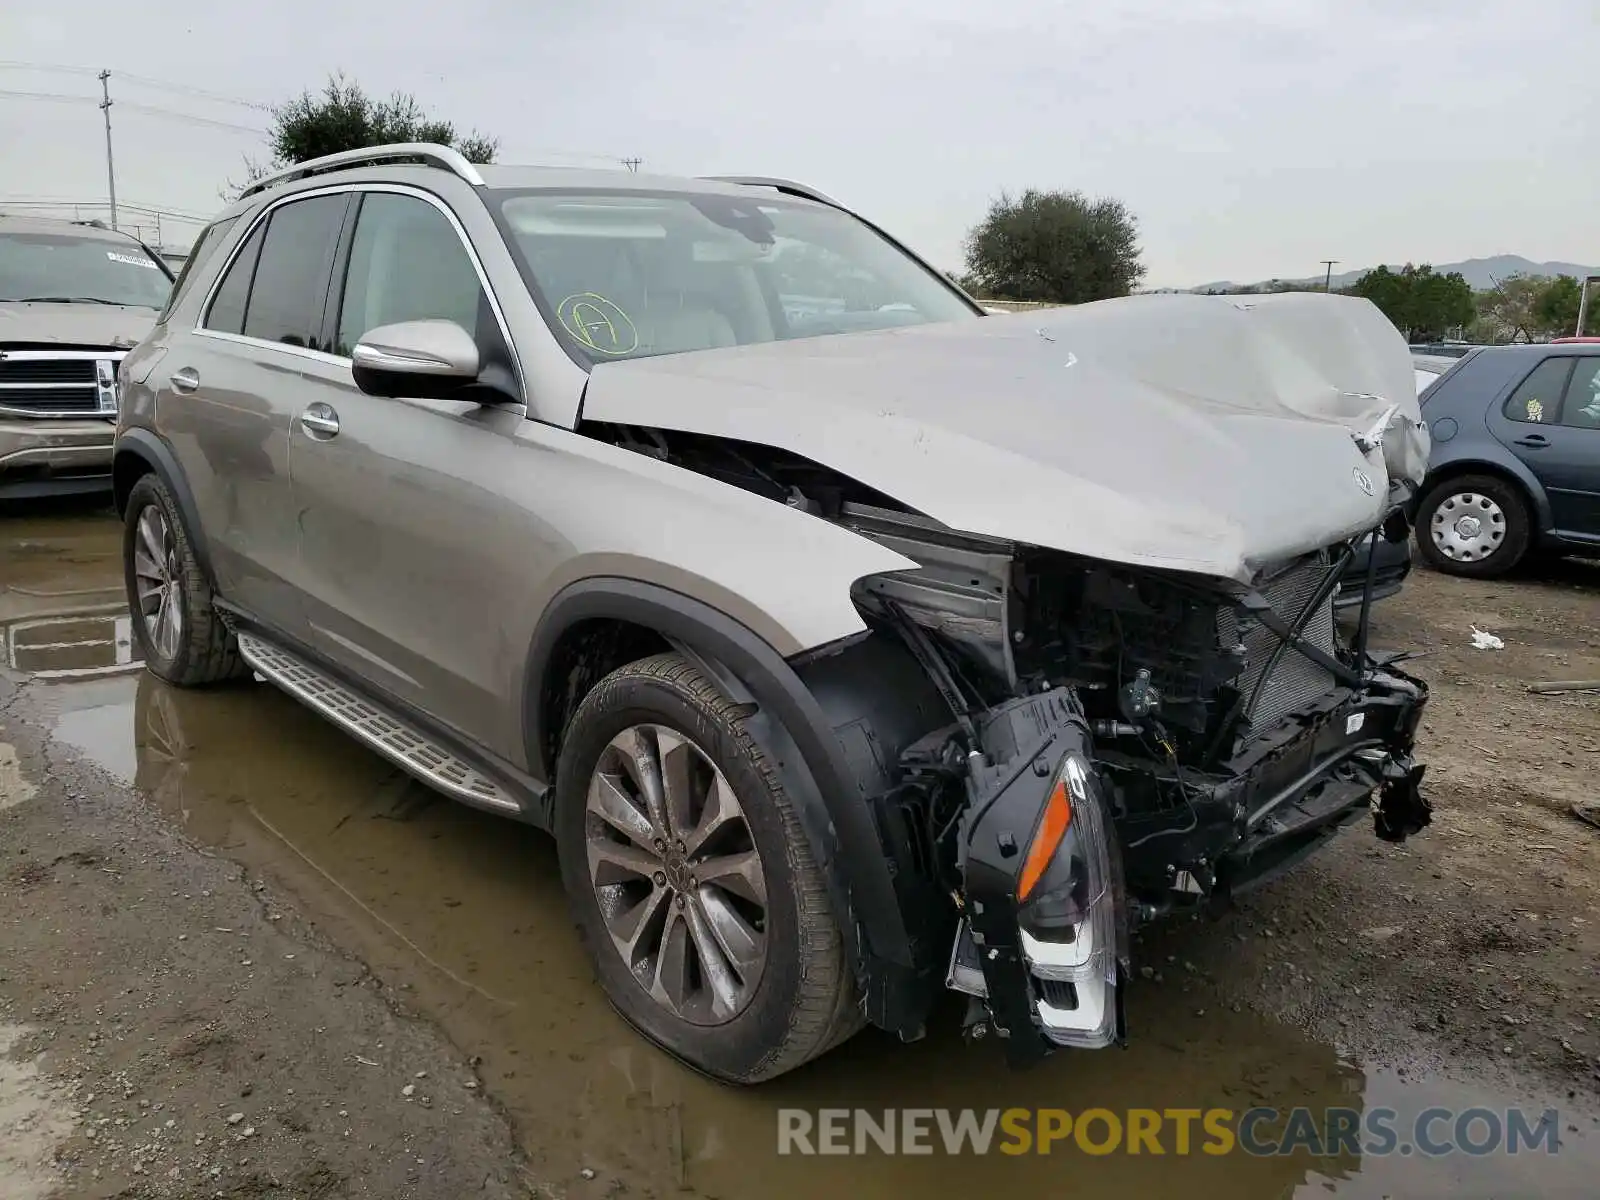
[(213, 905)]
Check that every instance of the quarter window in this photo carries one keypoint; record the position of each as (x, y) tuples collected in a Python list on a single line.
[(205, 245), (407, 263), (1537, 399), (233, 294), (290, 288)]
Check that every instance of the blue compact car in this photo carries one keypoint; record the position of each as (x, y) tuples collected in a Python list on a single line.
[(1516, 458)]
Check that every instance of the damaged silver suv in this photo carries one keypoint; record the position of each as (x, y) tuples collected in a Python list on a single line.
[(853, 644)]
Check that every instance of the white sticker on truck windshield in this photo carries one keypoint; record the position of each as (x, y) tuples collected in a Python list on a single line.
[(1354, 722), (131, 260)]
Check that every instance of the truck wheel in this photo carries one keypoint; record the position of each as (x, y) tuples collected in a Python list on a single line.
[(180, 634), (691, 881), (1473, 525)]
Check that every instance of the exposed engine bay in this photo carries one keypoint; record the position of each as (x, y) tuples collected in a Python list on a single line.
[(1056, 748)]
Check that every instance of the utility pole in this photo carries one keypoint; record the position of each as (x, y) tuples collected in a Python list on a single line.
[(1327, 279), (1583, 303), (111, 174), (632, 164)]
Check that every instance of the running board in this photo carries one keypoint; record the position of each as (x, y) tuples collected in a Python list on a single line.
[(402, 744)]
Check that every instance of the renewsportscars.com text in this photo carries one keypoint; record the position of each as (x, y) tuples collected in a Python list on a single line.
[(1431, 1132)]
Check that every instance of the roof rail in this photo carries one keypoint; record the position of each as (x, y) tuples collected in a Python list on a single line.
[(787, 186), (424, 152)]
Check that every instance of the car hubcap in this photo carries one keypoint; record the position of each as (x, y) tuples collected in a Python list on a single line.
[(676, 872), (155, 569), (1468, 527)]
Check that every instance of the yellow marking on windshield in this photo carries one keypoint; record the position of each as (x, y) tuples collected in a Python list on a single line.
[(598, 323)]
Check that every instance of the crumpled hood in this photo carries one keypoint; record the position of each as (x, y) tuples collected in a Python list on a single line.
[(1200, 433), (91, 326)]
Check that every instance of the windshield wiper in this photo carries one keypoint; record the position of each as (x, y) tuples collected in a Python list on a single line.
[(61, 300)]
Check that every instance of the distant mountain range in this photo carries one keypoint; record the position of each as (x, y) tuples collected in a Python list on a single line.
[(1478, 272)]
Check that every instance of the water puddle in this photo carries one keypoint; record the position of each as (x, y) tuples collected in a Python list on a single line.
[(466, 911)]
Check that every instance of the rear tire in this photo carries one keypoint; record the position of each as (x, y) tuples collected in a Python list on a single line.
[(177, 627), (791, 994), (1477, 526)]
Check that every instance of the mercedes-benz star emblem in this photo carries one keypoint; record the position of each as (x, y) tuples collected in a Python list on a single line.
[(1363, 480)]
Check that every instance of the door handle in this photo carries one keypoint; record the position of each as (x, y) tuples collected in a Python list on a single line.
[(320, 421), (185, 380), (1534, 441)]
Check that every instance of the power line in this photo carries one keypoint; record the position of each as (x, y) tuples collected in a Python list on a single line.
[(174, 115), (632, 163), (149, 109), (182, 89), (54, 96), (56, 67)]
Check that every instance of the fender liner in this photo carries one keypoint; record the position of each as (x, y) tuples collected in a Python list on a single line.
[(809, 757), (142, 443)]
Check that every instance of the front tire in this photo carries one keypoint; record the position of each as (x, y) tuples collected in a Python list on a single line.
[(691, 881), (1473, 525), (179, 631)]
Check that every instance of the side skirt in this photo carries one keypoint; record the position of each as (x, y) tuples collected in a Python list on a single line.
[(403, 742)]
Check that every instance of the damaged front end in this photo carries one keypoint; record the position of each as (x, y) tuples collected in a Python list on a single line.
[(1125, 742)]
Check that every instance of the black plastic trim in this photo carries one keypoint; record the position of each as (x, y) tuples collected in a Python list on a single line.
[(154, 451)]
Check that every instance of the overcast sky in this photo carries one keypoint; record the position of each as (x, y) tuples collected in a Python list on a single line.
[(1251, 139)]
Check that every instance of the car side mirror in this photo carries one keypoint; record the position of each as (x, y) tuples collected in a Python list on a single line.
[(428, 359)]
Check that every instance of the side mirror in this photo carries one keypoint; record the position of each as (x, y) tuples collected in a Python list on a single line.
[(429, 359)]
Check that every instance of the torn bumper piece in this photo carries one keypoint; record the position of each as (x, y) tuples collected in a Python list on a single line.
[(1047, 949), (1044, 938)]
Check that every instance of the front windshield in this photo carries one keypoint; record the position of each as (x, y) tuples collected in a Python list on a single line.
[(66, 268), (631, 274)]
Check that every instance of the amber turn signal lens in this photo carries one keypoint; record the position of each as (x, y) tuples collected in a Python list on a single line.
[(1052, 828)]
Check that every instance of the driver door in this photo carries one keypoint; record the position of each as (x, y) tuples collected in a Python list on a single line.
[(396, 498)]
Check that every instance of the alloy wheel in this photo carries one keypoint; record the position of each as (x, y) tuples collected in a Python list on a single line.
[(676, 873), (1468, 527), (158, 582)]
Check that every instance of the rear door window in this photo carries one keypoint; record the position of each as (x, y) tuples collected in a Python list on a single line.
[(291, 280), (1537, 399), (1582, 406)]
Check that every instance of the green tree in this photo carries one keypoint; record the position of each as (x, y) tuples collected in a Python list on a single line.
[(1389, 291), (1440, 305), (1057, 247), (1555, 310), (1422, 304), (1507, 311), (343, 117)]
